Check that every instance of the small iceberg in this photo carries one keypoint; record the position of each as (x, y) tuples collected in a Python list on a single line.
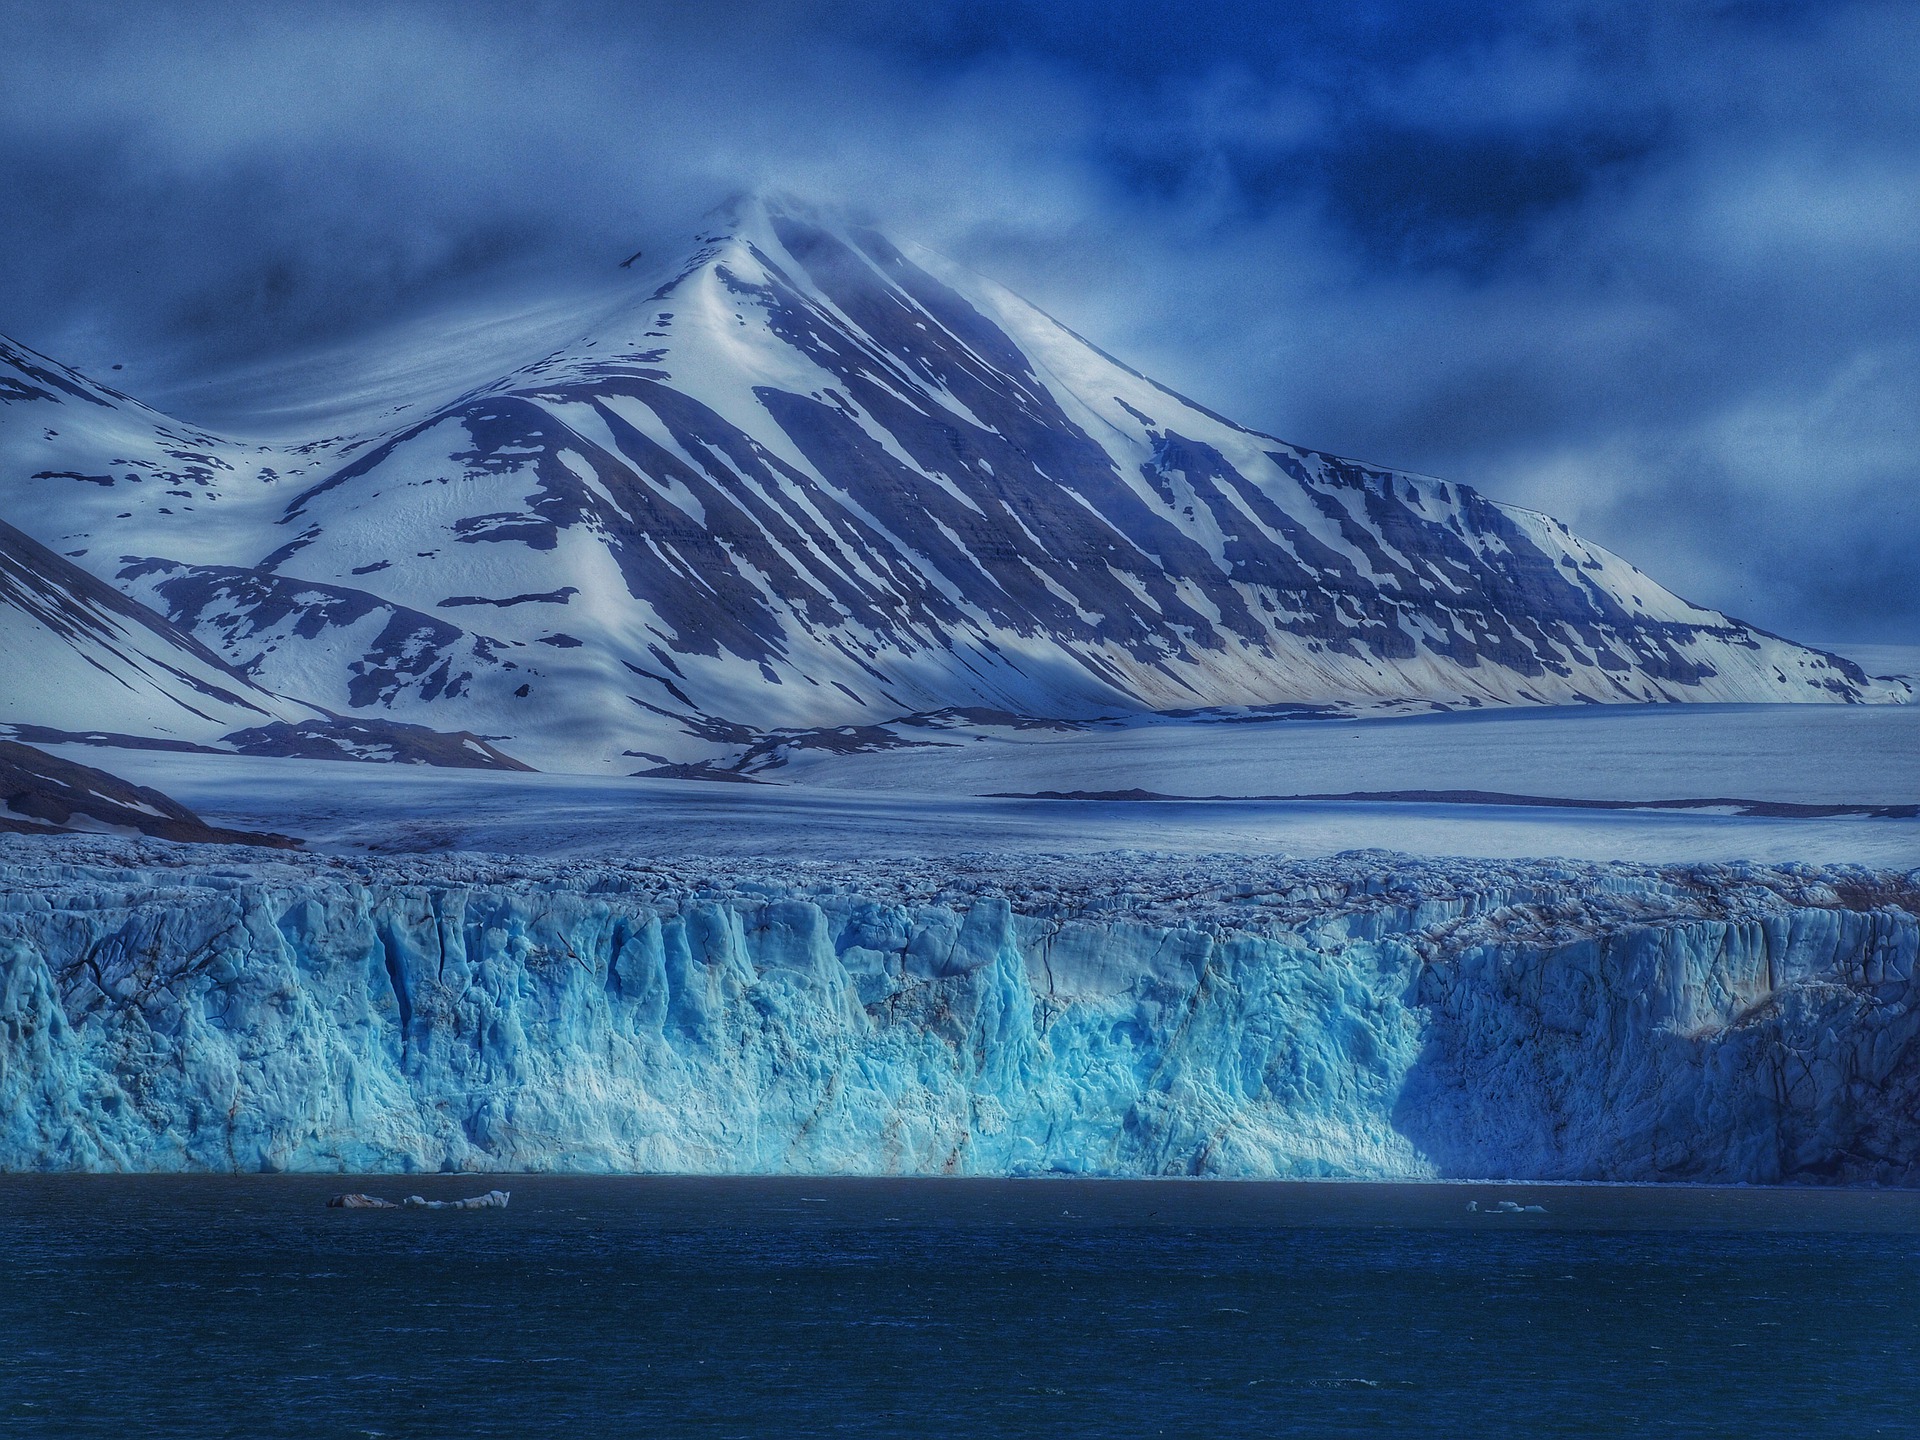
[(1505, 1207), (492, 1200)]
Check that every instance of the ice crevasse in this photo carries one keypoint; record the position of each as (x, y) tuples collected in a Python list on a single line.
[(178, 1008)]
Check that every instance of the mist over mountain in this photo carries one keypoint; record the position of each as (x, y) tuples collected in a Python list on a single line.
[(1648, 268)]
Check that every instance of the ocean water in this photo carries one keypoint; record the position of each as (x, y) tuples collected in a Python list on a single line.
[(196, 1306)]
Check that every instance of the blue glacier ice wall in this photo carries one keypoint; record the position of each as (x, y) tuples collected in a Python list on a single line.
[(1365, 1017)]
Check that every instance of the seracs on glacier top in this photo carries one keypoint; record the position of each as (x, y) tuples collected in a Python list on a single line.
[(813, 478)]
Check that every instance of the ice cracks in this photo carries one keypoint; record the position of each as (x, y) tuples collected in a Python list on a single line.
[(313, 1020)]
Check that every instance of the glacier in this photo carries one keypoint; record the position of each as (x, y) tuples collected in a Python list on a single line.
[(1368, 1015)]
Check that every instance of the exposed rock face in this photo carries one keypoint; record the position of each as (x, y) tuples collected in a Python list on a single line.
[(1368, 1016), (41, 794)]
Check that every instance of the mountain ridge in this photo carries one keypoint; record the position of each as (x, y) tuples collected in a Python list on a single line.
[(815, 480)]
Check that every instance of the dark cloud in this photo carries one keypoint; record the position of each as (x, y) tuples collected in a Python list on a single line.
[(1649, 266)]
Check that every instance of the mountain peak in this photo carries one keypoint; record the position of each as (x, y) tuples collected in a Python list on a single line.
[(809, 479)]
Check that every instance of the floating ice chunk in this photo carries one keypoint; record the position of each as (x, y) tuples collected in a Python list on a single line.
[(492, 1200)]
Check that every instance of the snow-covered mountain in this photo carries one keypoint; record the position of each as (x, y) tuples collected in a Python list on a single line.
[(807, 478), (80, 656), (81, 661)]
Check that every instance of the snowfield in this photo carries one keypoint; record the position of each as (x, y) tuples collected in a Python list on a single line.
[(932, 800), (1791, 754)]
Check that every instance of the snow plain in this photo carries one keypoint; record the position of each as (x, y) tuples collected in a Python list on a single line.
[(1867, 755), (935, 801)]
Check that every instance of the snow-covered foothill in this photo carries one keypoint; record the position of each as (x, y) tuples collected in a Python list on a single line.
[(76, 655)]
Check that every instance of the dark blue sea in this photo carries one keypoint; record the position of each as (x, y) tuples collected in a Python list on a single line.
[(134, 1307)]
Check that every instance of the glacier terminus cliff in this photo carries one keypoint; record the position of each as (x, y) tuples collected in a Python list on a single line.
[(1363, 1016)]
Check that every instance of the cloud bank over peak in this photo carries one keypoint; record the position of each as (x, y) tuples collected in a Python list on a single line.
[(1652, 268)]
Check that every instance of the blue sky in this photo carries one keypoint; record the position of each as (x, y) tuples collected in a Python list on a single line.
[(1654, 268)]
